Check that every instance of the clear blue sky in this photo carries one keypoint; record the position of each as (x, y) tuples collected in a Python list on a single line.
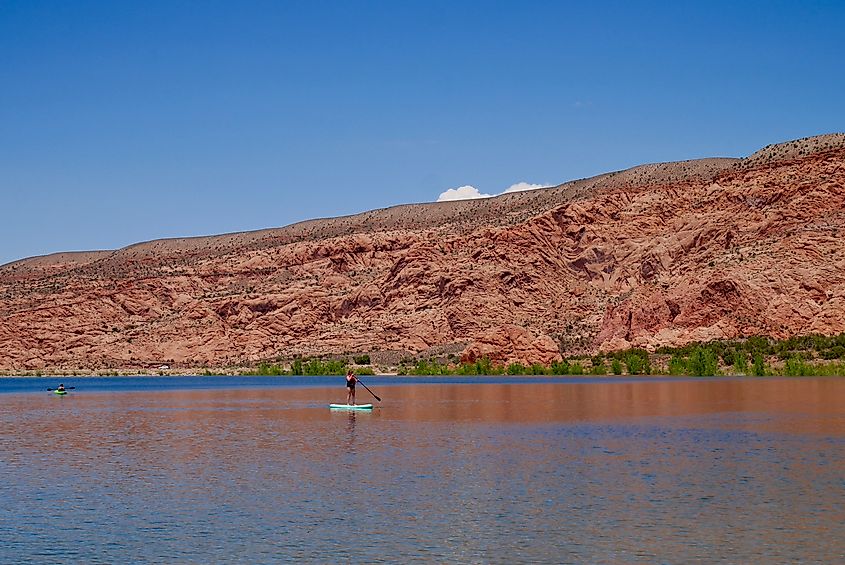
[(129, 121)]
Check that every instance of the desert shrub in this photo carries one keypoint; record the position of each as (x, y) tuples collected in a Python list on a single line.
[(466, 369), (829, 369), (758, 369), (321, 367), (616, 367), (484, 366), (516, 369), (431, 367), (296, 367), (637, 361), (740, 363), (634, 364), (758, 345), (677, 365), (835, 352), (538, 369), (267, 369), (362, 360), (576, 369), (560, 367), (796, 367), (702, 362)]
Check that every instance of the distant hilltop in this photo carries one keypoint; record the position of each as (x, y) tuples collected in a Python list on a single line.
[(657, 255)]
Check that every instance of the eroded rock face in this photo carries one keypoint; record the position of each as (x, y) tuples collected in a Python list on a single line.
[(512, 344), (657, 255)]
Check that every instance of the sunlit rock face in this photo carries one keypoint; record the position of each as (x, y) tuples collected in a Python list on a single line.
[(656, 255)]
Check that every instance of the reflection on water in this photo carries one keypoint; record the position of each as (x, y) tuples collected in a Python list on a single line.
[(617, 472)]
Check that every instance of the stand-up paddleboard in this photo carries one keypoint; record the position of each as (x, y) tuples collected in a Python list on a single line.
[(351, 406)]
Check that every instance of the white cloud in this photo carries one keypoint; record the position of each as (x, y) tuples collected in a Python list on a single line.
[(520, 186), (466, 192)]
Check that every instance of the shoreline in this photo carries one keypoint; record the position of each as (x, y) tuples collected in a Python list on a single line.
[(606, 377), (171, 373)]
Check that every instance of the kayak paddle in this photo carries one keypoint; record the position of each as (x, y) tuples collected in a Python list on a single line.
[(66, 388)]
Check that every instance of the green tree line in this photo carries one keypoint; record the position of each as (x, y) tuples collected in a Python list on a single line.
[(812, 355)]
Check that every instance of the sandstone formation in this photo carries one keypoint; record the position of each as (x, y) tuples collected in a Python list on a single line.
[(512, 344), (655, 255)]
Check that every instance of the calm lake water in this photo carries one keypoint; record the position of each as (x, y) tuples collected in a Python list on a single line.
[(497, 470)]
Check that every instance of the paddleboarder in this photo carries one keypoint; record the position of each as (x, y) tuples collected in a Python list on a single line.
[(351, 379)]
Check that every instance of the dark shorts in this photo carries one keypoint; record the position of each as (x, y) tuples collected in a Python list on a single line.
[(350, 386)]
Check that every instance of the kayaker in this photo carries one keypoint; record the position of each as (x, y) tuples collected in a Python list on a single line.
[(61, 388), (350, 387)]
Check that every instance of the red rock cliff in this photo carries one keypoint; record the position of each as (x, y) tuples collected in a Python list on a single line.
[(656, 255)]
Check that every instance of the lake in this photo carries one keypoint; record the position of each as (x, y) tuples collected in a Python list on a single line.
[(459, 470)]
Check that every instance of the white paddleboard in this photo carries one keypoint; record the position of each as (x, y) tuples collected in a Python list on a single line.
[(351, 406)]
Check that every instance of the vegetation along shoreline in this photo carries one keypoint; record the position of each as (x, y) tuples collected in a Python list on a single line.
[(811, 355)]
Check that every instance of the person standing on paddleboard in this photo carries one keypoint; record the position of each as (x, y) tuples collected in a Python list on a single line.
[(351, 379)]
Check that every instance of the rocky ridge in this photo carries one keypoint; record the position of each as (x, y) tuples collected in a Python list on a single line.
[(655, 255)]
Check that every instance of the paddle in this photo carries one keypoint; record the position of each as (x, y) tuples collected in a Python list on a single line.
[(66, 388), (368, 390)]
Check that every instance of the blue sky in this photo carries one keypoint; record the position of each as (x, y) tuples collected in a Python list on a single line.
[(129, 121)]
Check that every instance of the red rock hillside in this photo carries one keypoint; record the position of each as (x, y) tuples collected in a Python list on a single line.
[(656, 255)]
